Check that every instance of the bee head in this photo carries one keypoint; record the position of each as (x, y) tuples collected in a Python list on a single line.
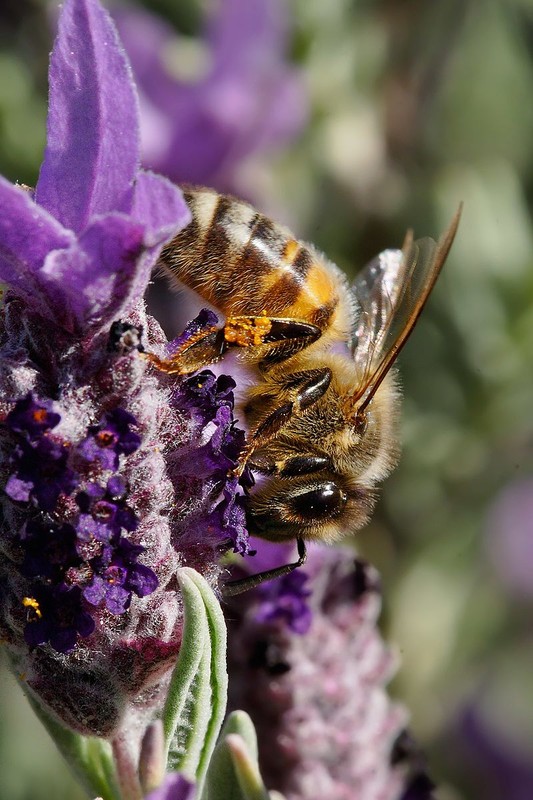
[(321, 506)]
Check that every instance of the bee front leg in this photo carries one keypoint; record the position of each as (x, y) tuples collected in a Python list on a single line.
[(206, 347), (304, 389), (252, 581), (278, 339)]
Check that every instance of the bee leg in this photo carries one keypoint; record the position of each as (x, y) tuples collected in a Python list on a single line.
[(303, 465), (206, 347), (281, 336), (291, 466), (251, 581), (287, 337), (306, 388)]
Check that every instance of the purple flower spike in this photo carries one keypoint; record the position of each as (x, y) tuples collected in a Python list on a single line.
[(285, 600), (325, 725), (97, 511)]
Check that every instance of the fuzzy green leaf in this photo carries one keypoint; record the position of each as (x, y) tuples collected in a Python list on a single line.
[(196, 701), (241, 723), (234, 772)]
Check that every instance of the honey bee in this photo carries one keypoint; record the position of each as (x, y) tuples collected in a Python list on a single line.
[(322, 413)]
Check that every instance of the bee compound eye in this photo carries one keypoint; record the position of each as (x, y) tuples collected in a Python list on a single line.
[(325, 500)]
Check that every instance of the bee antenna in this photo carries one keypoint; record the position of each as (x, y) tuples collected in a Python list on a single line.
[(252, 581)]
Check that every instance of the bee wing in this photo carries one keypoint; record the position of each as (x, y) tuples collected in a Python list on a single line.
[(390, 294)]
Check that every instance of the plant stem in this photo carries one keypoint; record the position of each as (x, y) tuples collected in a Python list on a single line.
[(128, 779)]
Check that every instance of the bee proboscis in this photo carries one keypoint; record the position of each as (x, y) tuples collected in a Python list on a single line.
[(322, 412)]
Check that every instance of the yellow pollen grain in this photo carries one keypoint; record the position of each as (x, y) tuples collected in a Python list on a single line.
[(246, 331), (31, 602)]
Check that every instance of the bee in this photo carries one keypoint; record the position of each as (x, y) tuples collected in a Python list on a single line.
[(322, 412)]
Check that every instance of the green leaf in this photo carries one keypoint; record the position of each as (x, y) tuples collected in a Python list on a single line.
[(234, 772), (241, 723), (246, 768), (90, 758), (196, 702)]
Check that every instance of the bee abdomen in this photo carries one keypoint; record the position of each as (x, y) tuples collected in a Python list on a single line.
[(242, 262)]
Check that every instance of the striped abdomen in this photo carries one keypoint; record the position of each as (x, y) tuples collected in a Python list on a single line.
[(243, 263)]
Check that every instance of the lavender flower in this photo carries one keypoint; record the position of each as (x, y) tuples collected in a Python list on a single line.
[(325, 725), (248, 100), (101, 501)]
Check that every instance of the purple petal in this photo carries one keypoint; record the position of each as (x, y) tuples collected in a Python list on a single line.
[(174, 787), (92, 151), (117, 599), (204, 320), (18, 489), (95, 592), (267, 555), (90, 451), (160, 206), (248, 98), (31, 417), (64, 639), (27, 234), (85, 624), (96, 279), (117, 487), (89, 529), (142, 580)]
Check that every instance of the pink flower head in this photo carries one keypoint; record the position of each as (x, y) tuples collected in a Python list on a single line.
[(308, 664)]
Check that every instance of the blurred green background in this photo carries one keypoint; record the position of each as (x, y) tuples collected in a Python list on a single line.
[(413, 106)]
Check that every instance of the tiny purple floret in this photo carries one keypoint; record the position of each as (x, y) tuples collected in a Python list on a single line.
[(174, 787)]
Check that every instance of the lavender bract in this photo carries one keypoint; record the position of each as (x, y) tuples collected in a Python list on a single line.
[(98, 507)]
